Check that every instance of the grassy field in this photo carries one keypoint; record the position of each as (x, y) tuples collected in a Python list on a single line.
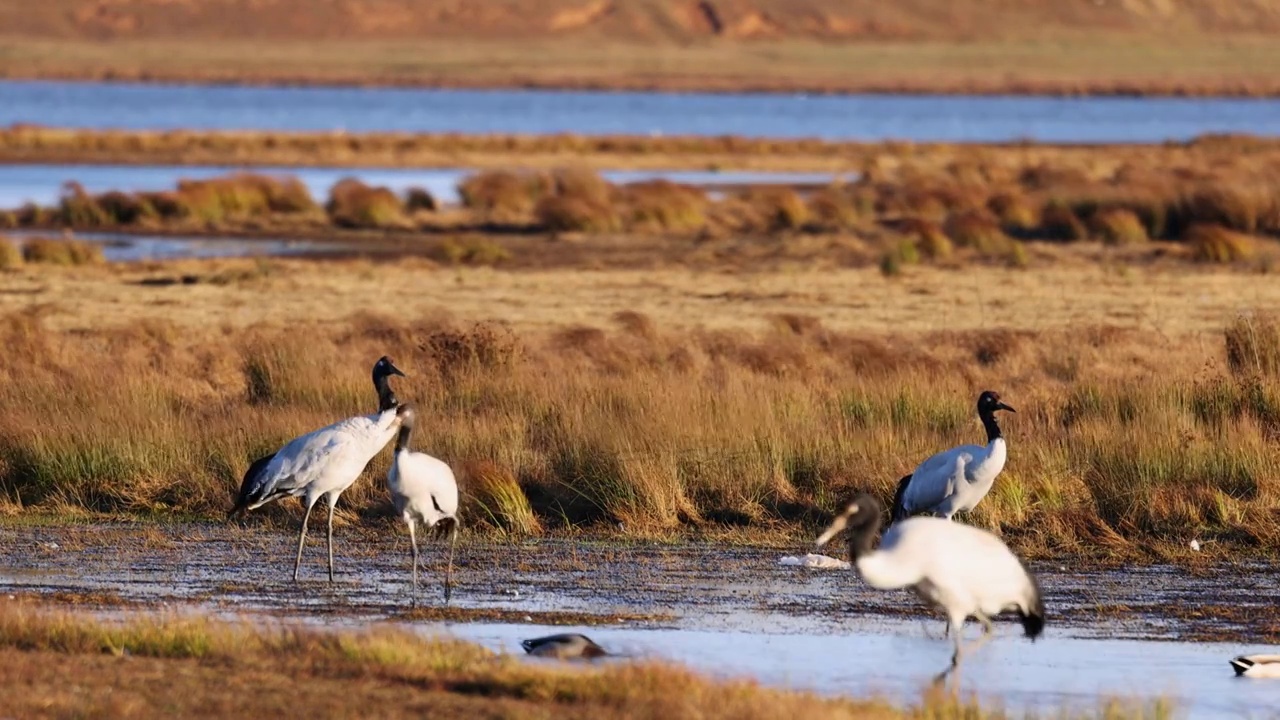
[(1013, 46), (669, 399), (72, 666)]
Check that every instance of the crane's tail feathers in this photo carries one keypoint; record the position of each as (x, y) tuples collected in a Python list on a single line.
[(1241, 665), (898, 512)]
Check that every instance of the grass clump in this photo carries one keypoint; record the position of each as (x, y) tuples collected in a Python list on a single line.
[(832, 209), (352, 204), (502, 194), (1217, 244), (782, 209), (420, 199), (928, 238), (663, 206), (977, 230), (1117, 226), (1253, 344), (1017, 215), (51, 251), (1059, 222), (476, 251), (493, 496), (77, 208), (10, 254), (576, 214)]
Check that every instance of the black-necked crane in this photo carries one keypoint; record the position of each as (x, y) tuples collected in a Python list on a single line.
[(963, 570), (955, 480), (325, 462), (565, 646)]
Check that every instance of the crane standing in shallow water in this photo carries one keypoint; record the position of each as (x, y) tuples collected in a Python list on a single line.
[(423, 488), (963, 570), (323, 463)]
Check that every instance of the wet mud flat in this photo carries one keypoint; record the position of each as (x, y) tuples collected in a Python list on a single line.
[(1157, 631)]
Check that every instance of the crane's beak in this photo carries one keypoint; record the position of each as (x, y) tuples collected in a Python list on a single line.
[(840, 523), (1002, 406), (393, 370)]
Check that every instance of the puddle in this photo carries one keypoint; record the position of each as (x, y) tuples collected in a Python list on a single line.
[(125, 247), (729, 611)]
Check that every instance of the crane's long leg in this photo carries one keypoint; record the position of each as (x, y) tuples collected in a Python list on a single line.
[(302, 538), (413, 543), (956, 624), (448, 570), (333, 500)]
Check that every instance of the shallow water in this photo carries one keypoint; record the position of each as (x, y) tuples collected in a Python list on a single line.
[(124, 247), (725, 610), (857, 117), (897, 660), (42, 184)]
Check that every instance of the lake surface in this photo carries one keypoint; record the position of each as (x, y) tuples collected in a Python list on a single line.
[(728, 611), (43, 183), (852, 117)]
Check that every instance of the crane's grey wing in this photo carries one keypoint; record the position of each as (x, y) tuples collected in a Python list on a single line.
[(936, 479)]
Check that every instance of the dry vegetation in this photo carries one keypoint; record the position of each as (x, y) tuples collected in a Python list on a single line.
[(1131, 435), (213, 669), (1214, 200), (1010, 46)]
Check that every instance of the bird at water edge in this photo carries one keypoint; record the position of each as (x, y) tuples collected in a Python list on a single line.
[(324, 462), (424, 489), (962, 570)]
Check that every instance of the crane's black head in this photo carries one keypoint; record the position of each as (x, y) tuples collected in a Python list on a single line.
[(989, 402), (861, 516), (384, 368)]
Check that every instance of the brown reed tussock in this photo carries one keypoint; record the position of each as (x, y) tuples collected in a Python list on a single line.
[(1217, 244), (10, 254), (353, 204), (663, 206), (503, 194), (1118, 226), (1253, 344), (58, 251), (661, 429)]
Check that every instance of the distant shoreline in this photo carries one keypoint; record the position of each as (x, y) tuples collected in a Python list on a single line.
[(1257, 89)]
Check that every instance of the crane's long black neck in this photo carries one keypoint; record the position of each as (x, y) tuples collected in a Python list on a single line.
[(988, 418), (404, 437), (862, 535), (386, 398)]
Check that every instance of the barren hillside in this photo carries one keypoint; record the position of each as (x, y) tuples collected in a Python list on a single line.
[(1190, 47), (665, 21)]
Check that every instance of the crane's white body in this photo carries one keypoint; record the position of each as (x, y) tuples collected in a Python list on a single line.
[(964, 571), (423, 489), (325, 462), (954, 480), (1257, 666)]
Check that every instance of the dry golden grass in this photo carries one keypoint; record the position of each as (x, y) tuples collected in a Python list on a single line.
[(195, 667), (714, 398)]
